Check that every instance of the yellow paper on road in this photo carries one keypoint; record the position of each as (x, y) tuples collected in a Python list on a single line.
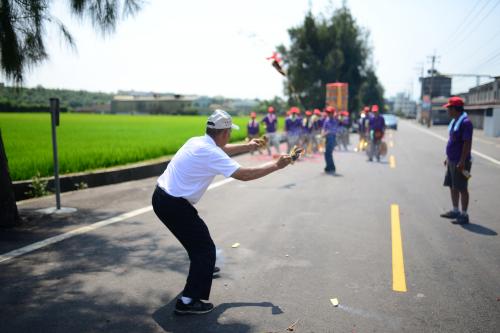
[(335, 302), (235, 245)]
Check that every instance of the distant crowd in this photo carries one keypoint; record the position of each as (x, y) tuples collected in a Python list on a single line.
[(320, 131)]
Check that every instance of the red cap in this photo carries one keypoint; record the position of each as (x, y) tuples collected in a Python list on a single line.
[(454, 101), (317, 112), (270, 109), (308, 113), (375, 108), (344, 113), (294, 109), (330, 109), (366, 109), (253, 114)]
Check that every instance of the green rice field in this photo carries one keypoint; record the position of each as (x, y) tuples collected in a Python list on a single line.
[(93, 141)]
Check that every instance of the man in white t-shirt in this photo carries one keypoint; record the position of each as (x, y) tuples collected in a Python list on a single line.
[(183, 183)]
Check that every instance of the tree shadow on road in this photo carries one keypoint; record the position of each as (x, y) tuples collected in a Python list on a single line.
[(479, 229), (37, 226), (207, 323), (81, 284)]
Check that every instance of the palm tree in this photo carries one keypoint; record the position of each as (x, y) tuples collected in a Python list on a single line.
[(23, 26)]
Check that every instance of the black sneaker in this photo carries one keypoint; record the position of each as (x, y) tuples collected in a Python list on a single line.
[(216, 270), (195, 307), (462, 219), (450, 215)]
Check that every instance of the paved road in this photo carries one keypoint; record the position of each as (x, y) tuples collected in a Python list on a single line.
[(305, 238)]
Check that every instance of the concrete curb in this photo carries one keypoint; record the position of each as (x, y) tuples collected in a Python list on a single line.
[(97, 178), (102, 177)]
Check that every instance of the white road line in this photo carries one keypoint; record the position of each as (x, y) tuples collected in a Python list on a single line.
[(220, 183), (69, 234), (38, 245), (442, 138), (484, 141)]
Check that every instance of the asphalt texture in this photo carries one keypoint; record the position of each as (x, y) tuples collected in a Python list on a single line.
[(305, 237)]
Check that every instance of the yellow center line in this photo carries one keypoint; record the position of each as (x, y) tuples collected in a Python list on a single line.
[(398, 267), (392, 161)]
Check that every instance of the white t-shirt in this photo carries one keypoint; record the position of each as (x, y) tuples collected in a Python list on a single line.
[(193, 168)]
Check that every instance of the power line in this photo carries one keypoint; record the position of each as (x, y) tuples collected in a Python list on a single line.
[(452, 46), (462, 22), (476, 51), (489, 60), (480, 22)]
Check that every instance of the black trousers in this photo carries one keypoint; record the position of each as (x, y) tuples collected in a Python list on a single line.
[(182, 219)]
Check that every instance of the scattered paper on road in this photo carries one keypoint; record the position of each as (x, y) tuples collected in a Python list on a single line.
[(335, 302), (292, 327), (235, 245)]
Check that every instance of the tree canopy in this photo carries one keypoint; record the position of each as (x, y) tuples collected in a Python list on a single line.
[(330, 49), (23, 28)]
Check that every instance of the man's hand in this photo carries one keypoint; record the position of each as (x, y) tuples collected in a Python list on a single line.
[(445, 163), (460, 166), (296, 152), (283, 161), (255, 144)]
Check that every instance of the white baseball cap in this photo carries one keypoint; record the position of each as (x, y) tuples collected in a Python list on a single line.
[(220, 119)]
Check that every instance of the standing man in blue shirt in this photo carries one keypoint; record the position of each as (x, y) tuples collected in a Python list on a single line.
[(376, 129), (458, 159), (293, 128), (271, 123), (253, 129), (329, 132)]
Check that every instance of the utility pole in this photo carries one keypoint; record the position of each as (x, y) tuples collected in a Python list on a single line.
[(433, 59), (420, 72)]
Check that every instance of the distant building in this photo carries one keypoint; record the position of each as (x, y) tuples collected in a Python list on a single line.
[(441, 86), (96, 108), (403, 104), (482, 103), (154, 104)]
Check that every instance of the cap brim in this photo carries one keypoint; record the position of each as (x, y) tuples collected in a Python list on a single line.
[(235, 127), (447, 105)]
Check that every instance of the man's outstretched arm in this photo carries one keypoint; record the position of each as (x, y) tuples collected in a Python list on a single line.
[(246, 174), (239, 148)]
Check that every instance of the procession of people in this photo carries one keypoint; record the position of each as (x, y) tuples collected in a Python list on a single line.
[(321, 132)]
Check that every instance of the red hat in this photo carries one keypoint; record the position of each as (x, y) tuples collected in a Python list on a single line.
[(366, 109), (270, 109), (317, 112), (454, 101), (308, 113), (375, 108), (344, 113), (294, 109), (253, 114), (330, 109)]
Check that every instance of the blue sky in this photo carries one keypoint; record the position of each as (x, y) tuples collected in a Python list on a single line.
[(218, 47)]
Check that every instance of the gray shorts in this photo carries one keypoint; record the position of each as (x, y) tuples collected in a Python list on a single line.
[(455, 179)]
